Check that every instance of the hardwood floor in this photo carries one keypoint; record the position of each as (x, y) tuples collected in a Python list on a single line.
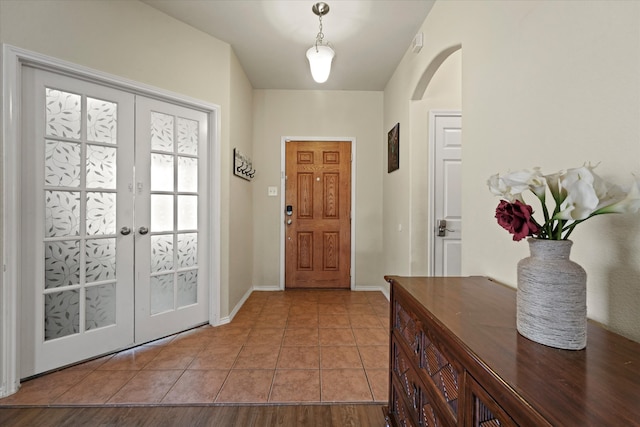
[(368, 415)]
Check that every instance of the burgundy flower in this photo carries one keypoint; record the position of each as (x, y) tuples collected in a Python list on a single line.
[(516, 219)]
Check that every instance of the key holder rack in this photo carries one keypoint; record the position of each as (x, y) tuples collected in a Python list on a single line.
[(242, 165)]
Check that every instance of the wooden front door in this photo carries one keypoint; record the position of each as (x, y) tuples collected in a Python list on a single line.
[(318, 214)]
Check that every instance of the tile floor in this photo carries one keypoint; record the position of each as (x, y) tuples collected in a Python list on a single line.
[(305, 346)]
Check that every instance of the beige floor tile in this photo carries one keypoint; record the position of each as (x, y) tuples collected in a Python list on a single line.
[(265, 336), (271, 321), (292, 385), (216, 357), (257, 357), (133, 359), (340, 357), (332, 308), (344, 385), (45, 389), (299, 358), (303, 308), (198, 338), (301, 337), (357, 298), (374, 356), (336, 336), (96, 388), (91, 364), (379, 383), (362, 309), (334, 321), (162, 341), (335, 297), (231, 331), (309, 320), (371, 336), (364, 321), (246, 386), (146, 387), (195, 386), (173, 358)]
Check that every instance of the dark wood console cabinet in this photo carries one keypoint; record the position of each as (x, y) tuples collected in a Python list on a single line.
[(456, 359)]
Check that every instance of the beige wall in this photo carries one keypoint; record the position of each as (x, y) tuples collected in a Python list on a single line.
[(550, 84), (239, 205), (442, 94), (278, 114), (132, 40)]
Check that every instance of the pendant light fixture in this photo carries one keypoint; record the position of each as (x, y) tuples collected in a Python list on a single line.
[(321, 54)]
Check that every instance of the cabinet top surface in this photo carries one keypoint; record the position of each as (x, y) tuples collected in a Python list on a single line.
[(599, 385)]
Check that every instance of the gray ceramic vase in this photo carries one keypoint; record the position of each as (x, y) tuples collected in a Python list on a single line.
[(552, 296)]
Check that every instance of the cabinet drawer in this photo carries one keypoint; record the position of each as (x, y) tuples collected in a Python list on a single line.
[(410, 386), (409, 328), (485, 411), (440, 369), (407, 376), (399, 411)]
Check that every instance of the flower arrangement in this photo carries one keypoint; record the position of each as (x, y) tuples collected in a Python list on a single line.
[(579, 194)]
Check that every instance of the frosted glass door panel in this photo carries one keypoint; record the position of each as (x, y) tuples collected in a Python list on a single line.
[(101, 166), (161, 172), (102, 121), (187, 174), (187, 212), (161, 213), (62, 164), (63, 114), (168, 256)]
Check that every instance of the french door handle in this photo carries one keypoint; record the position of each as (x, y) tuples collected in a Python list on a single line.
[(125, 230), (143, 230)]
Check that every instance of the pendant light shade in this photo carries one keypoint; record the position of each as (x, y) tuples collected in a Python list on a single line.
[(320, 58), (320, 55)]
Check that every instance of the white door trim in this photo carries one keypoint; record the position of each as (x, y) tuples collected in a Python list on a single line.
[(431, 221), (13, 58), (283, 164)]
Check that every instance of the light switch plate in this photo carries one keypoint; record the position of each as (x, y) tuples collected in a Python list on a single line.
[(272, 191)]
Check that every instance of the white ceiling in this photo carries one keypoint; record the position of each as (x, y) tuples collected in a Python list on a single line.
[(271, 37)]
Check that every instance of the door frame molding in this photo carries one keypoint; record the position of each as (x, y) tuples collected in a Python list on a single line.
[(283, 163), (431, 221), (13, 59)]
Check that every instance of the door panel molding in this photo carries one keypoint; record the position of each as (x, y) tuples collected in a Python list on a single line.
[(283, 142), (13, 59)]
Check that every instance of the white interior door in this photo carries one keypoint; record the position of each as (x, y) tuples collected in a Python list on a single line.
[(171, 219), (112, 251), (447, 142), (77, 267)]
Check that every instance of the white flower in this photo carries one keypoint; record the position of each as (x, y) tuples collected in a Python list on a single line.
[(578, 194), (511, 186), (524, 180), (630, 203), (580, 203)]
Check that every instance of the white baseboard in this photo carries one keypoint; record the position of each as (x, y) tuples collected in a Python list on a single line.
[(229, 318), (268, 288), (383, 289)]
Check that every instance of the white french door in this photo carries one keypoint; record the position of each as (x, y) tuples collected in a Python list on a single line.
[(112, 196), (171, 287)]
